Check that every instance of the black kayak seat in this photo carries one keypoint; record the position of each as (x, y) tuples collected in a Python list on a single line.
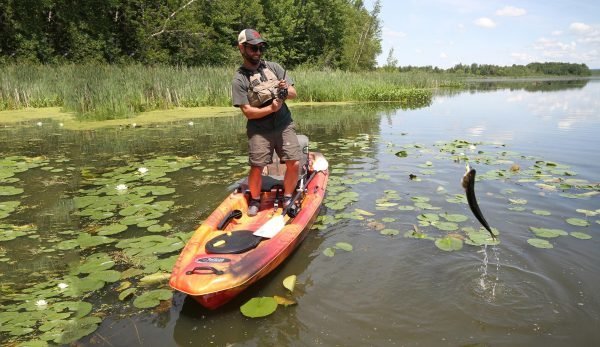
[(268, 183), (235, 242)]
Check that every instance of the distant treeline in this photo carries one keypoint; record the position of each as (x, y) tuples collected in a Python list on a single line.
[(531, 69), (336, 34)]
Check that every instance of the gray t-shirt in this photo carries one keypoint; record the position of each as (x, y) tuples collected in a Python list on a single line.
[(239, 91)]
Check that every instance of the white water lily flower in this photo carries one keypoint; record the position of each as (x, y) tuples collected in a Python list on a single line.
[(472, 147), (121, 187), (142, 170), (191, 124), (62, 285), (41, 303), (39, 124)]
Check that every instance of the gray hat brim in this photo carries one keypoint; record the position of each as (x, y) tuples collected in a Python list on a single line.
[(256, 41)]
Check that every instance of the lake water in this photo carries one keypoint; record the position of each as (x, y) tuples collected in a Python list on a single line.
[(395, 196)]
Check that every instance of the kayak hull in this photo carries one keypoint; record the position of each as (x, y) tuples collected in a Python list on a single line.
[(214, 279)]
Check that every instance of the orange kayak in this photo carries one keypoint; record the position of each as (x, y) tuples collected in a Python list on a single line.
[(224, 257)]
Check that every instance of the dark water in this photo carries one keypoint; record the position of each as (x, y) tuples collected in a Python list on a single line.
[(389, 290)]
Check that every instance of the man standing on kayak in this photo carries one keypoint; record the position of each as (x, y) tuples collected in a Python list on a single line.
[(259, 89)]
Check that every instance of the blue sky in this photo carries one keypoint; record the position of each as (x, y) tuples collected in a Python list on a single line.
[(444, 33)]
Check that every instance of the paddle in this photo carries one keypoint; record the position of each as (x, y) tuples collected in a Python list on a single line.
[(275, 224)]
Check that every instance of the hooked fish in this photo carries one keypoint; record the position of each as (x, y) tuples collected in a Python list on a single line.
[(468, 183)]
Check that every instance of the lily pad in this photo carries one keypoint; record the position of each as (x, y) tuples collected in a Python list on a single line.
[(259, 307), (456, 218), (581, 236), (153, 298), (126, 293), (479, 237), (10, 232), (363, 212), (548, 233), (159, 228), (449, 244), (73, 330), (406, 208), (112, 229), (539, 243), (67, 244), (344, 246), (9, 190), (95, 262), (284, 301), (86, 240), (290, 282), (446, 226), (541, 212), (389, 232), (106, 275), (329, 251), (81, 308), (155, 278), (588, 213), (578, 222)]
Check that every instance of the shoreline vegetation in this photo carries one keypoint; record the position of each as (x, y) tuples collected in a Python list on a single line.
[(77, 95)]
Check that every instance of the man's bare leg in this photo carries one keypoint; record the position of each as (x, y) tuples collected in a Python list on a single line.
[(291, 177), (254, 183)]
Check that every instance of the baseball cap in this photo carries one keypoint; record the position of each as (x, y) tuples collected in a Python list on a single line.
[(250, 36)]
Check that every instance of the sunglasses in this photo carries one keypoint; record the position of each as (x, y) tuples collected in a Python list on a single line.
[(255, 49)]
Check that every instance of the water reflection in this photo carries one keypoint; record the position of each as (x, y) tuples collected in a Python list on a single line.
[(528, 85)]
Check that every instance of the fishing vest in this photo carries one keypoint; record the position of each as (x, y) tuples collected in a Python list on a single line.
[(263, 86)]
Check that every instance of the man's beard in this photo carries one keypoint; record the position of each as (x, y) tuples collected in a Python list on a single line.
[(251, 59)]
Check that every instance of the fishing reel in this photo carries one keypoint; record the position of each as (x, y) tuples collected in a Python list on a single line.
[(293, 210), (282, 93)]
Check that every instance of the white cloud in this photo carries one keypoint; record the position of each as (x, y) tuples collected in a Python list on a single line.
[(587, 33), (580, 28), (443, 55), (557, 33), (485, 22), (392, 34), (511, 11), (544, 43), (555, 49), (521, 58)]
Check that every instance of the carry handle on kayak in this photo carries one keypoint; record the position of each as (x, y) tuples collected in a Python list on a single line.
[(202, 270), (237, 214)]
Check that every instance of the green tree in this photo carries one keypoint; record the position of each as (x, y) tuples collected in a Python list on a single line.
[(391, 62), (339, 34), (362, 37)]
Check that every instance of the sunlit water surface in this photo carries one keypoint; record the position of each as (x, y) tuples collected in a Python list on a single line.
[(389, 290)]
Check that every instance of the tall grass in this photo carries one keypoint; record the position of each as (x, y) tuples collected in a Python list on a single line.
[(99, 92)]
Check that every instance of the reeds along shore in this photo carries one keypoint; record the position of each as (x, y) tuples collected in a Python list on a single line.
[(100, 92)]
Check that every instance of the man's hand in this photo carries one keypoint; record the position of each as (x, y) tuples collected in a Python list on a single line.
[(282, 90), (282, 84), (276, 105)]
